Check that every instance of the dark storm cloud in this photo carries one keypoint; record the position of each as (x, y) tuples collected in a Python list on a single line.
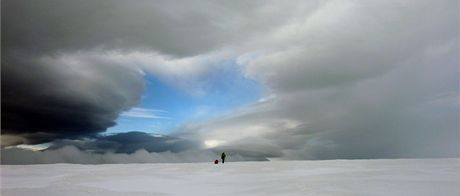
[(47, 94), (42, 100)]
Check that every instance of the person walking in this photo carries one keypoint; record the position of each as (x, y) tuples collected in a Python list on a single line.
[(223, 157)]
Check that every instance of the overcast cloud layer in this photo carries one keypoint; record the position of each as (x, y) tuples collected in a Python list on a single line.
[(345, 79)]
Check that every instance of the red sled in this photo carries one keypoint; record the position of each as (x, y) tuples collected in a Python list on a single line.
[(216, 161)]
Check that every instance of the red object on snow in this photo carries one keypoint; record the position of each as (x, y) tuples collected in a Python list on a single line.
[(216, 161)]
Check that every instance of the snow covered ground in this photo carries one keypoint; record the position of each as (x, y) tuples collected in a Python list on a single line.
[(439, 177)]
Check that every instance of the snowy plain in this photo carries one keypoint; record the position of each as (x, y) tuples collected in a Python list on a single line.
[(440, 177)]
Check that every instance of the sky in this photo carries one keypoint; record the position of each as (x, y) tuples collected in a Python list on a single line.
[(260, 80), (164, 108)]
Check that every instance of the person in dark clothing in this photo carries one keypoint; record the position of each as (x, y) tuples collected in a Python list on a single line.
[(223, 157)]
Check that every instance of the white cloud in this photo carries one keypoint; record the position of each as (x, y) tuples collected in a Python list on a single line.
[(144, 113), (358, 80)]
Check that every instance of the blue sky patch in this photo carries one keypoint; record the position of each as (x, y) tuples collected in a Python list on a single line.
[(165, 107)]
